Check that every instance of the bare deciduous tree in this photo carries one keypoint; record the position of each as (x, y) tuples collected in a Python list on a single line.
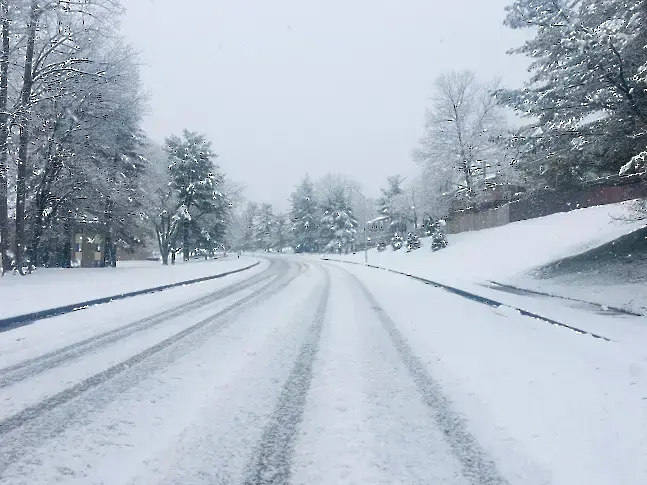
[(462, 127), (4, 136), (54, 38)]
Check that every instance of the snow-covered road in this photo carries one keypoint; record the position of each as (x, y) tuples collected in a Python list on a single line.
[(307, 372)]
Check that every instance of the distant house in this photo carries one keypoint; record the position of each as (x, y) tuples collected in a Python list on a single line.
[(379, 224), (87, 249), (378, 227)]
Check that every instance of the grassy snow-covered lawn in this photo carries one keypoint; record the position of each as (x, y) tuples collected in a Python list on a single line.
[(510, 254), (49, 288)]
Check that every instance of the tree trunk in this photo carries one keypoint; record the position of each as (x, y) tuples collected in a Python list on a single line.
[(162, 242), (109, 252), (34, 255), (23, 146), (4, 137), (185, 239), (69, 230), (64, 255), (33, 251), (108, 255), (164, 234)]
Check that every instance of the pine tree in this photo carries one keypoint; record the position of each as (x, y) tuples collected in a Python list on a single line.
[(248, 236), (208, 233), (587, 95), (305, 226), (281, 232), (388, 207), (338, 226), (264, 227), (194, 178)]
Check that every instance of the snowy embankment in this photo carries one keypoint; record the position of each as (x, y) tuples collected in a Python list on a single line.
[(49, 288), (509, 254)]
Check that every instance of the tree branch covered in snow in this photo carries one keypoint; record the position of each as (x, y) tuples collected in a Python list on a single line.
[(586, 100)]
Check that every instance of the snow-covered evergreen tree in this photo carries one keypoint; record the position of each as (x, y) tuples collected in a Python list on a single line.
[(281, 235), (305, 223), (264, 227), (587, 98), (389, 205), (637, 164), (208, 232), (195, 179), (248, 232), (338, 225)]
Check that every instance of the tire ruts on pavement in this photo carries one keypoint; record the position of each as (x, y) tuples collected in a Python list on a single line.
[(271, 462), (477, 466), (11, 323), (33, 431), (31, 367), (477, 298)]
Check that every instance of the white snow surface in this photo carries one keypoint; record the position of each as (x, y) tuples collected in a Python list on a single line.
[(364, 420), (47, 335), (552, 406), (402, 383), (53, 287), (505, 251), (509, 253), (58, 379)]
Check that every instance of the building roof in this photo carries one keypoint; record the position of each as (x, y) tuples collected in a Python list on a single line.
[(378, 219)]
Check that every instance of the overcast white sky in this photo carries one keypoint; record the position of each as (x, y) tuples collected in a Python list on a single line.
[(285, 87)]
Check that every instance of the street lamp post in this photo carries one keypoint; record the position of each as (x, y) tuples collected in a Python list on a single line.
[(365, 222)]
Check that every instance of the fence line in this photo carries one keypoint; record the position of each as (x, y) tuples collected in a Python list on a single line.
[(547, 202)]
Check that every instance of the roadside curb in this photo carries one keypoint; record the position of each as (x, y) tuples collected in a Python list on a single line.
[(21, 320), (567, 298), (477, 298)]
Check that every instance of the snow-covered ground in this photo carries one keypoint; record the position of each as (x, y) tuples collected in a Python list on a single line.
[(508, 254), (318, 373), (549, 406), (50, 288)]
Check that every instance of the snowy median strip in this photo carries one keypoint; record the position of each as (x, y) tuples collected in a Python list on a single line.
[(477, 298), (21, 320)]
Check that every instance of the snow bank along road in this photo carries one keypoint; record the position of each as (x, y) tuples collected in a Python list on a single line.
[(307, 372)]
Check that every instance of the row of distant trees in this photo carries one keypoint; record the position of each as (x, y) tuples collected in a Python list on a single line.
[(72, 150), (581, 115), (259, 228), (322, 217), (328, 215)]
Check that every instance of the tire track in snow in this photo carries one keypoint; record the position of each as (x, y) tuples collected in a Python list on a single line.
[(33, 425), (478, 467), (17, 321), (32, 367), (477, 298), (271, 463)]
